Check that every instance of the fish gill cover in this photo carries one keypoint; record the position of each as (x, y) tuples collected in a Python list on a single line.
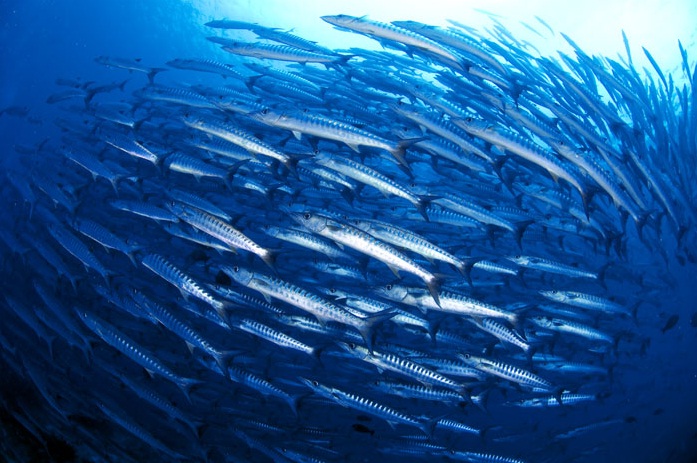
[(452, 249)]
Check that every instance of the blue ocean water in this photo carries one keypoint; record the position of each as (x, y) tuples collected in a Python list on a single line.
[(192, 250)]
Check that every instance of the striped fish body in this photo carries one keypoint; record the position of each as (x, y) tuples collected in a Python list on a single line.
[(130, 349), (366, 244), (185, 284), (508, 372), (79, 250), (220, 230)]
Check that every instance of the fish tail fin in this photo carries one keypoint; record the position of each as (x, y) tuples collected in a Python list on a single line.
[(520, 229), (347, 194), (399, 151), (429, 426), (153, 72), (269, 258), (222, 357), (249, 83), (467, 268), (481, 400), (186, 384), (433, 285), (367, 327), (422, 204), (557, 393)]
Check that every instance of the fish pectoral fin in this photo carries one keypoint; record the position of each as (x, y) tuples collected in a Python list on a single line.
[(353, 147), (297, 134)]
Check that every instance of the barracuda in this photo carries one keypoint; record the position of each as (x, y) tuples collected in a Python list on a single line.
[(221, 230), (506, 371), (185, 284), (403, 366), (323, 127), (384, 31), (406, 239), (238, 137), (362, 404), (566, 326), (130, 349), (372, 177), (523, 148), (585, 301), (363, 242), (322, 309)]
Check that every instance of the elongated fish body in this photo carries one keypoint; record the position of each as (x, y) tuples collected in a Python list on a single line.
[(182, 163), (476, 457), (523, 148), (179, 327), (442, 128), (79, 250), (132, 350), (454, 40), (144, 209), (181, 96), (567, 398), (306, 240), (280, 53), (137, 430), (320, 308), (363, 242), (379, 31), (291, 40), (281, 339), (403, 366), (585, 301), (506, 371), (468, 208), (566, 326), (92, 165), (280, 74), (220, 230), (236, 136), (406, 239), (130, 146), (365, 405), (368, 176), (185, 284), (204, 65), (105, 237), (199, 203), (261, 385), (460, 304), (502, 332), (417, 391), (331, 129), (546, 265)]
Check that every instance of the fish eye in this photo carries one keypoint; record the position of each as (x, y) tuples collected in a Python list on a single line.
[(332, 290), (466, 355), (235, 269), (307, 216), (352, 346), (388, 287), (315, 383), (265, 111), (517, 256)]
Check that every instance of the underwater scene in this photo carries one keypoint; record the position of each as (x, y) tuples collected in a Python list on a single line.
[(348, 232)]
